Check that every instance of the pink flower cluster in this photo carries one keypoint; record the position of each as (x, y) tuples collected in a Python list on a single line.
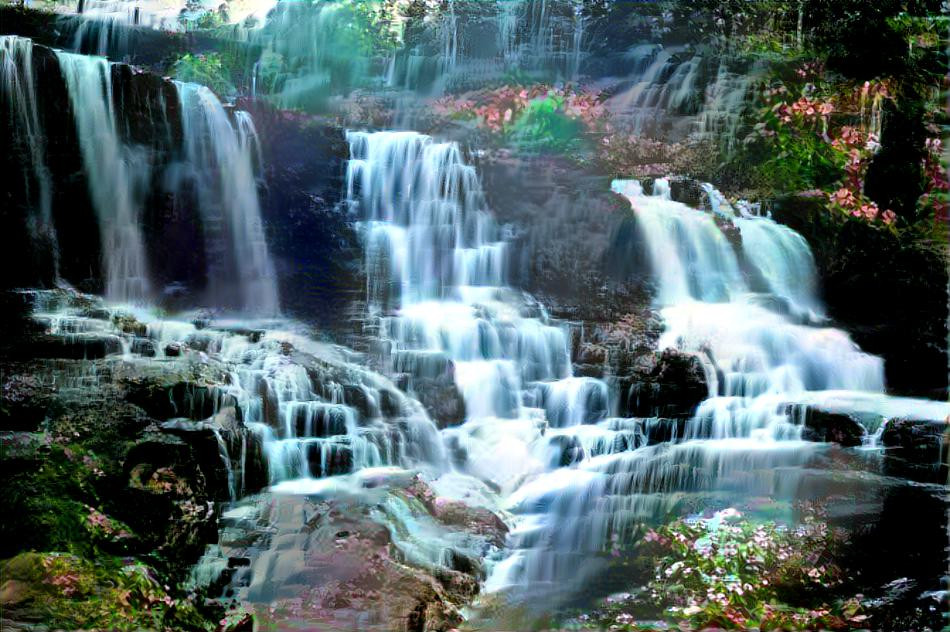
[(811, 69), (498, 108), (808, 109), (938, 186), (845, 199)]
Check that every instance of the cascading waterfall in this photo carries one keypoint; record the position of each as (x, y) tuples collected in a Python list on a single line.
[(215, 169), (118, 174), (221, 154), (19, 99), (588, 490), (435, 264), (543, 37), (761, 360)]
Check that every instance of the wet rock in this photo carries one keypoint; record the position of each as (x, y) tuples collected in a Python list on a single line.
[(220, 446), (329, 458), (688, 191), (143, 347), (127, 323), (832, 427), (674, 386), (332, 565), (163, 398), (173, 349), (920, 443), (75, 346), (98, 313), (565, 450)]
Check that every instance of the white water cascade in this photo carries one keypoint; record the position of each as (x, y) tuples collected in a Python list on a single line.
[(118, 175), (763, 359), (435, 262), (221, 154), (589, 490)]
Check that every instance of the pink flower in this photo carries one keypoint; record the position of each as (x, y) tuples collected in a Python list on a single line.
[(842, 197), (889, 217)]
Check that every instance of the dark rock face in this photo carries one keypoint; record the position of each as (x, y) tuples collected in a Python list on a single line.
[(310, 232), (565, 223), (441, 399), (673, 388), (918, 445)]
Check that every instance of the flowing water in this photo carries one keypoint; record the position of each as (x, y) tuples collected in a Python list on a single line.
[(541, 446), (117, 173), (217, 163), (222, 154)]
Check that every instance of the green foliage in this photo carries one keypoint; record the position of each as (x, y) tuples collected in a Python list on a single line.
[(544, 126), (49, 500), (206, 69)]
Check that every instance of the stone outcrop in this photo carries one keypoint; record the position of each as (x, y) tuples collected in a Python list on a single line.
[(350, 562)]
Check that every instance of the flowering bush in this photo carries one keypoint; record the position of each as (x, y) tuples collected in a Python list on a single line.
[(810, 150), (936, 195), (539, 115), (728, 572)]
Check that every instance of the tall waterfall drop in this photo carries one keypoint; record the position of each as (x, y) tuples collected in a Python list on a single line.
[(118, 174), (222, 155)]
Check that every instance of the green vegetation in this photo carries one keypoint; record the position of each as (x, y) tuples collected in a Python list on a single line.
[(207, 69)]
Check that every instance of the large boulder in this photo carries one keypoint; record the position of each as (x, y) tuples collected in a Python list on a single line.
[(355, 561), (672, 385)]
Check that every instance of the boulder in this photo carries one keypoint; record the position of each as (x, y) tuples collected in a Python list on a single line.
[(672, 388), (832, 427)]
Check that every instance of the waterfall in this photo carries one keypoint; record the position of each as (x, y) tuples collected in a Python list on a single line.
[(436, 274), (669, 96), (118, 174), (221, 154), (19, 99), (436, 268), (766, 357)]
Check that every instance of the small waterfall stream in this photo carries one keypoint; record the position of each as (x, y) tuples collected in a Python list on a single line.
[(20, 100), (222, 154)]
